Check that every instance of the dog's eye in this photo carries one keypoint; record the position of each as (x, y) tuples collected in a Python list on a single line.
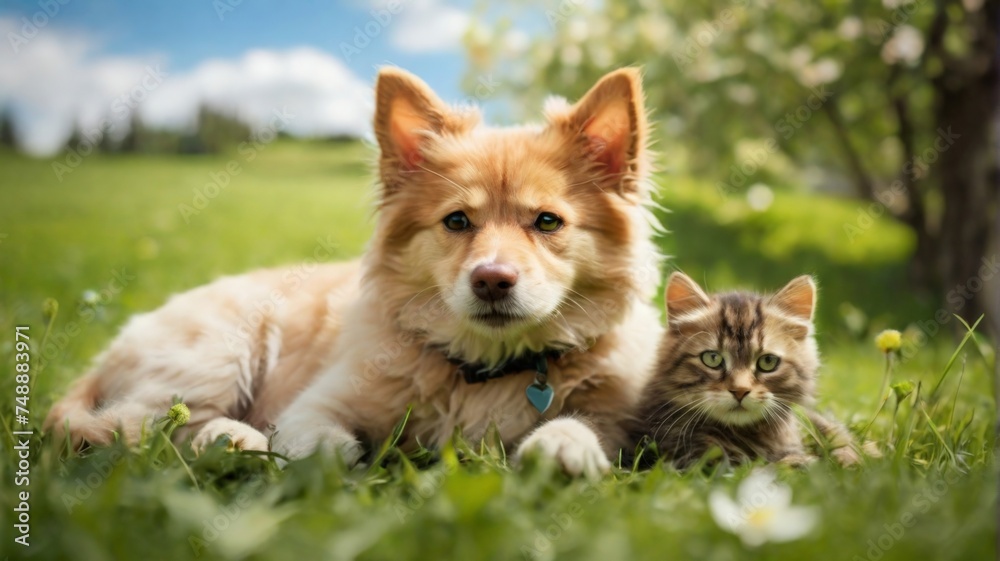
[(712, 359), (548, 222), (456, 221), (768, 363)]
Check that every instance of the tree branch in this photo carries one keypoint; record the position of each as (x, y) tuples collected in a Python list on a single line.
[(862, 180), (915, 214)]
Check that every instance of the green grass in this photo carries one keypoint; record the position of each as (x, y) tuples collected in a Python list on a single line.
[(66, 238)]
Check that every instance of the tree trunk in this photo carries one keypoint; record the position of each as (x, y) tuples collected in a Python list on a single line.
[(966, 110)]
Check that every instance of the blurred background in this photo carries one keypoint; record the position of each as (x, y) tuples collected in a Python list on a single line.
[(853, 140)]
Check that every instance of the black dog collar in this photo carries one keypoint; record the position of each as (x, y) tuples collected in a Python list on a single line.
[(540, 394), (478, 373)]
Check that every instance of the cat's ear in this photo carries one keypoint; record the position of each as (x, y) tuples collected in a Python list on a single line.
[(683, 296), (798, 298), (407, 113), (610, 122)]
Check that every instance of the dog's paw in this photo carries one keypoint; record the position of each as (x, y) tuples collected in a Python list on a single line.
[(571, 443), (330, 439), (241, 435)]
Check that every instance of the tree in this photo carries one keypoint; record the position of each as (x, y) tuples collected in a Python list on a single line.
[(8, 131), (132, 142), (217, 131), (74, 140), (896, 101)]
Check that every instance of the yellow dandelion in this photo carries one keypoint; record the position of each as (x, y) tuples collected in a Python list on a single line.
[(889, 341)]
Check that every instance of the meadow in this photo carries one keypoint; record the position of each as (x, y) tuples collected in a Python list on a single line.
[(116, 235)]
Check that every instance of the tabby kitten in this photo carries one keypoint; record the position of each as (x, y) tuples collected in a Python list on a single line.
[(730, 368)]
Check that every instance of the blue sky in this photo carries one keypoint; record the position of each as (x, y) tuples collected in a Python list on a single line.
[(189, 31), (91, 52)]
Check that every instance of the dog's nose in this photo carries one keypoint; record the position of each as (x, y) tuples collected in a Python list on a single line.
[(493, 282), (739, 394)]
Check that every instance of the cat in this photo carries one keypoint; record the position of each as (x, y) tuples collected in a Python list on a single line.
[(730, 368)]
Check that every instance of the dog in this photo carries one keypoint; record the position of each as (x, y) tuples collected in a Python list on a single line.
[(508, 284)]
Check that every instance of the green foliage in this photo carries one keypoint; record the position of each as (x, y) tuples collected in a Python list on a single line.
[(216, 132), (937, 475), (724, 76)]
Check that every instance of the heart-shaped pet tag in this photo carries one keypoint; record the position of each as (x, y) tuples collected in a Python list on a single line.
[(540, 396)]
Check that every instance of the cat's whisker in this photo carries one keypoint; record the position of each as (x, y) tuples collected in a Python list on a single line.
[(693, 423), (685, 409)]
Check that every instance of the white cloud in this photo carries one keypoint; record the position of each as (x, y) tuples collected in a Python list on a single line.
[(58, 78), (53, 80), (426, 26), (321, 93)]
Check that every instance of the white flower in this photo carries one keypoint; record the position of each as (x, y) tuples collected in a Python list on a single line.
[(850, 28), (760, 197), (90, 297), (906, 45), (515, 42), (764, 511), (822, 71), (571, 55)]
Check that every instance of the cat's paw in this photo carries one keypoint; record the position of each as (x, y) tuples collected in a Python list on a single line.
[(571, 443), (241, 435), (330, 439), (846, 456), (798, 460)]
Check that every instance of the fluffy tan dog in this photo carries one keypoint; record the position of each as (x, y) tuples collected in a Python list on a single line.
[(508, 282)]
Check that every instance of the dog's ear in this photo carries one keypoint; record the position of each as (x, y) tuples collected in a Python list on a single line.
[(683, 296), (407, 114), (610, 124)]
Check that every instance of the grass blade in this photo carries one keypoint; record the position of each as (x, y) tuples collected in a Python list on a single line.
[(968, 335)]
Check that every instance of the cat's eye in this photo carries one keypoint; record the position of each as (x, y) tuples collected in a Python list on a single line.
[(457, 221), (548, 222), (768, 363), (712, 359)]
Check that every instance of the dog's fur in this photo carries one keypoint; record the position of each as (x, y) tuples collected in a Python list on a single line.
[(371, 337)]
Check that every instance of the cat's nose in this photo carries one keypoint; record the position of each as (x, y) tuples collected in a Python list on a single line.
[(739, 394), (493, 281)]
